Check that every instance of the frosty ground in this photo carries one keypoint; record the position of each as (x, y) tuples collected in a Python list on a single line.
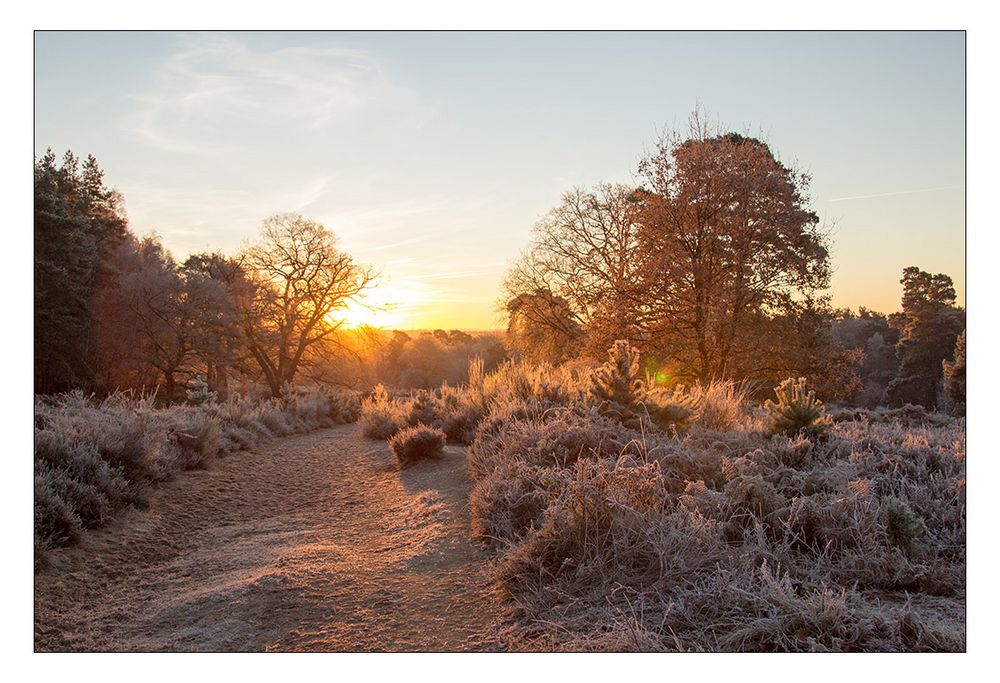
[(311, 542)]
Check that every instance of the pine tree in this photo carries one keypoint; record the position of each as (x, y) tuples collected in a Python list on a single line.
[(78, 225), (617, 381), (931, 325)]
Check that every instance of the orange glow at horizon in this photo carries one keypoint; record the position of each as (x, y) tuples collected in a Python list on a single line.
[(385, 306)]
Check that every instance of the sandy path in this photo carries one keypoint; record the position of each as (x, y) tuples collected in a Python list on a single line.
[(313, 542)]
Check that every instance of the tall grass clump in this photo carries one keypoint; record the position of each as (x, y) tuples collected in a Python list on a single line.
[(720, 405)]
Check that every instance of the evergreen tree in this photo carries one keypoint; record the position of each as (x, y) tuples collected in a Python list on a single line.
[(617, 381), (930, 327), (78, 224)]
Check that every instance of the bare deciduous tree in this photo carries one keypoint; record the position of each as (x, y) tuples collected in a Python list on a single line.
[(542, 328), (582, 255), (300, 282)]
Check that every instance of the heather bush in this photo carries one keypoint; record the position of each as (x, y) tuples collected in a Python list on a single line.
[(509, 501), (344, 407), (730, 535), (195, 436), (414, 444), (56, 522), (461, 412)]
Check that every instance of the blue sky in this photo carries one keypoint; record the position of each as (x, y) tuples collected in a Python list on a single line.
[(432, 154)]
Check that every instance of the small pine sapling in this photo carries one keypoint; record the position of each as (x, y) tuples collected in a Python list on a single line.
[(902, 524), (617, 380), (797, 412), (422, 410), (199, 392)]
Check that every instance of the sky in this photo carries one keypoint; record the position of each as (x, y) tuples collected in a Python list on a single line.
[(431, 155)]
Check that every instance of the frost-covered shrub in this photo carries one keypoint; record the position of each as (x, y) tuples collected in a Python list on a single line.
[(381, 416), (510, 500), (727, 539), (555, 438), (797, 411), (459, 410), (93, 458), (595, 523), (56, 522), (417, 443), (196, 436), (277, 421), (344, 407)]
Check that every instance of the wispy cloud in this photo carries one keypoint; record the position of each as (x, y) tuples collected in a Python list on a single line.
[(393, 245), (893, 194), (218, 93)]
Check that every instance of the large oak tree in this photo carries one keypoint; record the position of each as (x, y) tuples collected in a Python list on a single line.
[(301, 281), (726, 242)]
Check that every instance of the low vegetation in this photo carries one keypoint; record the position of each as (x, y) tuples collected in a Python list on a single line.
[(726, 526), (93, 458)]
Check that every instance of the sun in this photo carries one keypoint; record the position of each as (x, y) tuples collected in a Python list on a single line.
[(386, 306)]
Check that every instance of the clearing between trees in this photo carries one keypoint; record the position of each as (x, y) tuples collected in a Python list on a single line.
[(314, 542)]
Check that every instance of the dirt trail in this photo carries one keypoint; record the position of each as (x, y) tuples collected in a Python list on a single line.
[(313, 542)]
